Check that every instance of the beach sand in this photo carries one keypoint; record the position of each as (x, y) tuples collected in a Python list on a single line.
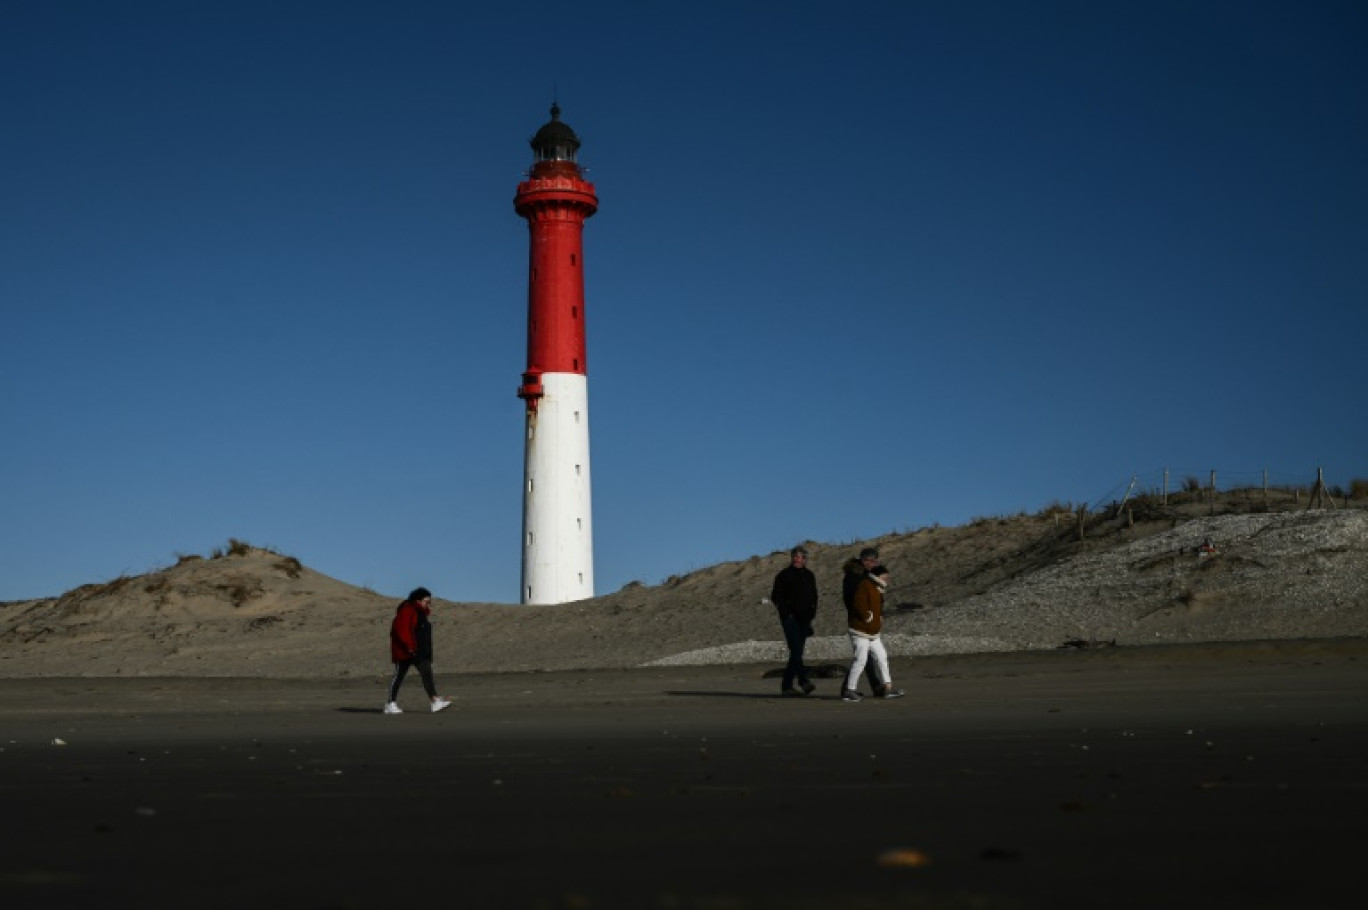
[(1100, 720), (1214, 775)]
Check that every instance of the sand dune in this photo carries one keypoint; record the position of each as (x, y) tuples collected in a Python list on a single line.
[(1019, 583)]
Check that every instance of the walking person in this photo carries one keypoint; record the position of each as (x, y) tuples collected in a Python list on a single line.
[(411, 646), (865, 620), (794, 595), (855, 572)]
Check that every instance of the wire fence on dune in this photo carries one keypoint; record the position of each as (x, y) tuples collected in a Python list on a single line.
[(1214, 486)]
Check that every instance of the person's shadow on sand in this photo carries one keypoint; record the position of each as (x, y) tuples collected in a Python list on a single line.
[(362, 710), (686, 693)]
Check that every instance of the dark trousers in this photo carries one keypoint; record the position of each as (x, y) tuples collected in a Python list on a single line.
[(795, 635), (401, 668)]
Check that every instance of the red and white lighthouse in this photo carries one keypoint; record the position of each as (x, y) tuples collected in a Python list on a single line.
[(558, 529)]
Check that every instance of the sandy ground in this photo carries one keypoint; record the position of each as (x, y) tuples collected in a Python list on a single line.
[(1215, 775), (1094, 718), (1020, 583)]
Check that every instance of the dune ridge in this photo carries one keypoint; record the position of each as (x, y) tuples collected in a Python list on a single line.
[(1026, 582)]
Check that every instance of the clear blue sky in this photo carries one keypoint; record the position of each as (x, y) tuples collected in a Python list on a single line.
[(858, 267)]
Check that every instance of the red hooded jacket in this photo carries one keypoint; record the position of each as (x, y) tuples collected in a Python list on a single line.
[(411, 633)]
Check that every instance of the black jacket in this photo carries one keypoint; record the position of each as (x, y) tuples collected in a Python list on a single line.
[(853, 572), (795, 593)]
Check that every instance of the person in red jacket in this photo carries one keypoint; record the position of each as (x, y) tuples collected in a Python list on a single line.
[(411, 646)]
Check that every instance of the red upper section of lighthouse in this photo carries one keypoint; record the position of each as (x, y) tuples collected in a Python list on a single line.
[(555, 199)]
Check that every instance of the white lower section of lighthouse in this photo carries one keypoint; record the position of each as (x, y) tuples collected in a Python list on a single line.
[(558, 531)]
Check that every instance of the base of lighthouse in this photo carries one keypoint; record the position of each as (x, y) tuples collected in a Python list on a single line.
[(558, 533)]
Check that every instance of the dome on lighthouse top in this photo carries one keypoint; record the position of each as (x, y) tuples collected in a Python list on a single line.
[(555, 141)]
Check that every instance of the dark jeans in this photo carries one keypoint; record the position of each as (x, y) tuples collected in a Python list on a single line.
[(401, 668), (795, 634)]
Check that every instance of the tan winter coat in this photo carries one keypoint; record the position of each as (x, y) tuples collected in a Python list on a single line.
[(866, 607)]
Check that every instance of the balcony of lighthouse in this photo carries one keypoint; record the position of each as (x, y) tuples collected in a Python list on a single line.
[(542, 195)]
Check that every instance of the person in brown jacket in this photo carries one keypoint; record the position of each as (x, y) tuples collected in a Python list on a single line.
[(865, 621)]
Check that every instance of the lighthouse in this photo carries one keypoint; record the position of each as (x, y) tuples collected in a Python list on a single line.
[(558, 529)]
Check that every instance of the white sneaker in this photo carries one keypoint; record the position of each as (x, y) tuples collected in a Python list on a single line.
[(393, 708), (440, 704)]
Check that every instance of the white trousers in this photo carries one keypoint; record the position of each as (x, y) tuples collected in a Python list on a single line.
[(864, 648)]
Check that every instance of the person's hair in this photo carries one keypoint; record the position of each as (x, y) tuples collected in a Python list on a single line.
[(798, 551), (418, 594), (869, 553)]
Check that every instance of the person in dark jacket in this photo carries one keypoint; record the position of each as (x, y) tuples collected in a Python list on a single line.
[(411, 646), (794, 595)]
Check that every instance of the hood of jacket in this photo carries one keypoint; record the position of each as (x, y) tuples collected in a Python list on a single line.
[(413, 605)]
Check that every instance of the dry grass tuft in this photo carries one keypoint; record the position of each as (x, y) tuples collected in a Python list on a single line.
[(289, 565), (240, 592), (86, 592)]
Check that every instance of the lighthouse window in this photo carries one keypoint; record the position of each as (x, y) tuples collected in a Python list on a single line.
[(572, 259), (574, 312)]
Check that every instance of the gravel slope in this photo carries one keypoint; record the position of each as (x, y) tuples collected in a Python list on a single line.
[(1019, 583)]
